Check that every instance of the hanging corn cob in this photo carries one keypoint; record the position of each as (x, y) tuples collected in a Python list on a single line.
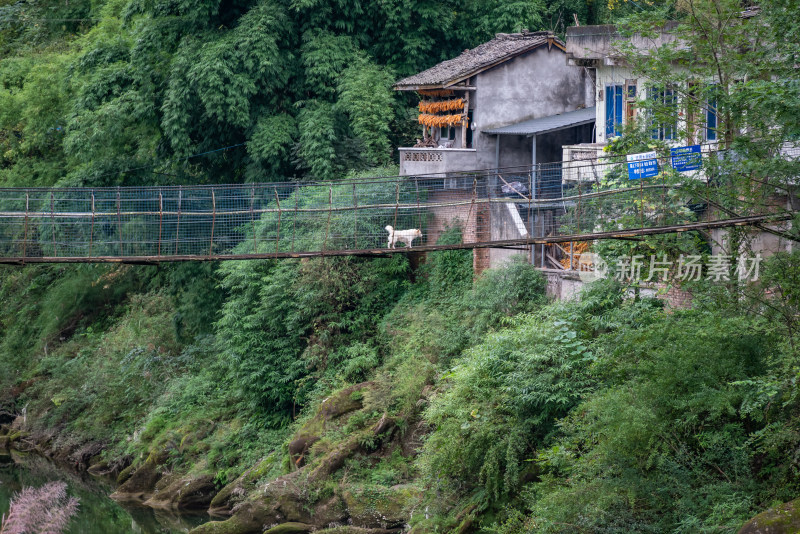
[(444, 105), (441, 120)]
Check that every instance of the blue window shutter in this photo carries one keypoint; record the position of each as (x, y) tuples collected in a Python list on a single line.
[(613, 109), (672, 101), (609, 110), (711, 120), (654, 95)]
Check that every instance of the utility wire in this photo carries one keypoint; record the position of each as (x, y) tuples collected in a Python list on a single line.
[(171, 160)]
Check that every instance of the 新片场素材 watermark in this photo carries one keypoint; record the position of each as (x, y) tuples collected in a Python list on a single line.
[(654, 268)]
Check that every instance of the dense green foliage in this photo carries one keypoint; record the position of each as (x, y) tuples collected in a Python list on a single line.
[(603, 414), (125, 91)]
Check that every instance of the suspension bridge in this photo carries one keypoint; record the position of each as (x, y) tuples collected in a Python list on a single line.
[(526, 208)]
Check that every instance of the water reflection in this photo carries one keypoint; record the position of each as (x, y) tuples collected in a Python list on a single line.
[(97, 514)]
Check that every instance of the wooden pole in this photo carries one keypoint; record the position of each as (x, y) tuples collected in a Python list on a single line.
[(91, 231), (253, 219), (53, 222), (641, 203), (178, 225), (571, 254), (530, 215), (419, 211), (278, 240), (160, 219), (119, 224), (396, 202), (580, 198), (464, 121), (328, 227), (471, 206), (355, 218), (25, 232), (294, 219), (213, 221)]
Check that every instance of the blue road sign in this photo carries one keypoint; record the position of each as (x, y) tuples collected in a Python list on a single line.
[(686, 158), (644, 165)]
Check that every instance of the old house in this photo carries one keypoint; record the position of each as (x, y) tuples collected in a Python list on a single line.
[(619, 92), (502, 107)]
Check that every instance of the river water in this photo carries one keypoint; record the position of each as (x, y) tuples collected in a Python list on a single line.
[(97, 513)]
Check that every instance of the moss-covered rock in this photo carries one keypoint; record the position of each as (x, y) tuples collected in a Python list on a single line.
[(125, 474), (783, 519), (223, 501), (141, 484), (290, 528), (184, 493), (340, 403), (243, 523), (358, 530), (380, 507)]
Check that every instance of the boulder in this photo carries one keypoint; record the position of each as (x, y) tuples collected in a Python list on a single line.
[(380, 507), (340, 403), (290, 528), (783, 519), (125, 474), (142, 481), (241, 523), (358, 530), (222, 503), (185, 493)]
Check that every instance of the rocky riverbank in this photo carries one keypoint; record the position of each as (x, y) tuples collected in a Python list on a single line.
[(316, 494)]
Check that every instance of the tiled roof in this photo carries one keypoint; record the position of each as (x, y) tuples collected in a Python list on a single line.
[(503, 47)]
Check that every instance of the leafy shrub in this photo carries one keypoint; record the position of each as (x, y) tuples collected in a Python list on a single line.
[(501, 402)]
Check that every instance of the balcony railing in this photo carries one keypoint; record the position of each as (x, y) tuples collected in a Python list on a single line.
[(433, 161), (582, 163)]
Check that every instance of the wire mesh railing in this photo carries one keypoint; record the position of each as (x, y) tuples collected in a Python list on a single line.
[(529, 205)]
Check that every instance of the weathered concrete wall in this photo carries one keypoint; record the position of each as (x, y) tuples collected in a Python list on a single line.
[(567, 285), (562, 285), (506, 223), (599, 43), (533, 85), (756, 241)]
